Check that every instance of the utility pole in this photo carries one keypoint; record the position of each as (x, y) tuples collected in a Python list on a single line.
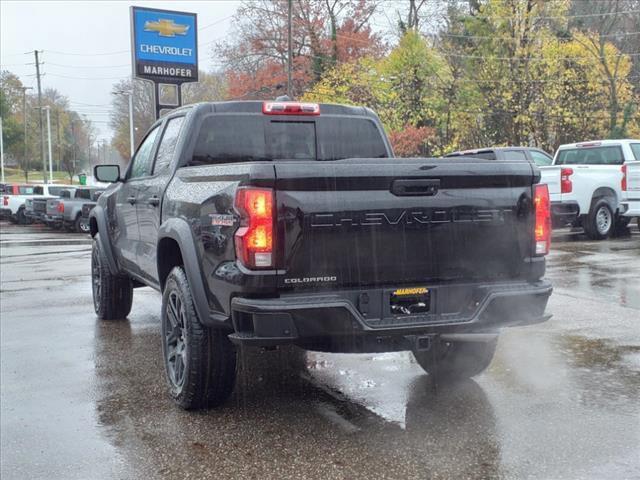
[(44, 164), (25, 164), (48, 110), (290, 50), (1, 152)]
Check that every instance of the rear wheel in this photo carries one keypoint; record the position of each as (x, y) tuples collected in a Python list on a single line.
[(200, 362), (21, 219), (600, 221), (80, 227), (112, 294), (455, 361)]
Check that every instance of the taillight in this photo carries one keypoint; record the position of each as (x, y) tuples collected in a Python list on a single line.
[(623, 182), (290, 108), (255, 237), (565, 180), (542, 232), (5, 201), (60, 207)]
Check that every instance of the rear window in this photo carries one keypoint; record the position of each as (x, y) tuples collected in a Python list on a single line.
[(55, 190), (243, 138), (29, 190), (609, 155), (85, 194), (65, 194), (635, 148)]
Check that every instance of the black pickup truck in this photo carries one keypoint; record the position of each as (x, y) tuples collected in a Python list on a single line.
[(271, 223)]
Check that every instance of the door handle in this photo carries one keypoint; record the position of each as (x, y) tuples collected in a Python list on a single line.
[(415, 187), (154, 201), (131, 200)]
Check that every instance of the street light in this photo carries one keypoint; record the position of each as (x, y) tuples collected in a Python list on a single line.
[(131, 137)]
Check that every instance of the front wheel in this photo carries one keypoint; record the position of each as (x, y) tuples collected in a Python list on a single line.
[(456, 361), (112, 294), (200, 362)]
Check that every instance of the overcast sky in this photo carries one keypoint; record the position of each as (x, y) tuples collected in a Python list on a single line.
[(79, 39)]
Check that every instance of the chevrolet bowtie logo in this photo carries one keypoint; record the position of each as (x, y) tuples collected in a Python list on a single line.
[(166, 28)]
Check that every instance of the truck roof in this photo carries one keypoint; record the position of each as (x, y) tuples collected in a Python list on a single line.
[(256, 106), (596, 143)]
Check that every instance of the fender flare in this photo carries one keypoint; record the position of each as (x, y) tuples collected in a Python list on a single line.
[(607, 194), (179, 230), (105, 242)]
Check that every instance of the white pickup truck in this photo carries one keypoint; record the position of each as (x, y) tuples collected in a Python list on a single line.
[(15, 196), (630, 205), (586, 183)]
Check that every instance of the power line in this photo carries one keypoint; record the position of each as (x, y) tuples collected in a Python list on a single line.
[(90, 66)]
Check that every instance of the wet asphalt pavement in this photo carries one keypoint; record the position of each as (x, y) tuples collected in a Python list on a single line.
[(83, 399)]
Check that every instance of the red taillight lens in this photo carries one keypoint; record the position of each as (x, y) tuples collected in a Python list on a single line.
[(5, 201), (623, 182), (255, 239), (290, 108), (60, 207), (565, 180), (542, 232)]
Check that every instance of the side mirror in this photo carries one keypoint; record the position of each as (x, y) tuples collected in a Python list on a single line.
[(106, 173)]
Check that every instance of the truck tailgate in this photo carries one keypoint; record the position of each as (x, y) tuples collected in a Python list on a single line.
[(362, 222), (551, 176), (633, 180)]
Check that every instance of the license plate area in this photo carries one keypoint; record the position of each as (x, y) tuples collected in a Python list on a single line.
[(410, 301)]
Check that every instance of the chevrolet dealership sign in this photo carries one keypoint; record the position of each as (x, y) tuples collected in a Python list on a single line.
[(164, 45)]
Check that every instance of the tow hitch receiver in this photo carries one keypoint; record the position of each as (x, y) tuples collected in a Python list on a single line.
[(420, 343)]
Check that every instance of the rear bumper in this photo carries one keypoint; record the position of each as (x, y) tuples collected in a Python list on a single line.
[(5, 213), (340, 321), (564, 213), (53, 219), (630, 208)]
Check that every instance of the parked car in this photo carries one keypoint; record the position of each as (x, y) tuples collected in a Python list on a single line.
[(277, 223), (586, 183), (36, 206), (535, 155), (66, 210), (630, 204), (15, 198)]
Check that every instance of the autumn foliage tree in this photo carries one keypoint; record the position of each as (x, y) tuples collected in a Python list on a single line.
[(325, 33)]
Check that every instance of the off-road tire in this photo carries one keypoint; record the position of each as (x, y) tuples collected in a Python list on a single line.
[(200, 362), (593, 223), (112, 294), (455, 361)]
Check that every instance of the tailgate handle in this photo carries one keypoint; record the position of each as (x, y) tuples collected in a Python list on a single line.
[(408, 187)]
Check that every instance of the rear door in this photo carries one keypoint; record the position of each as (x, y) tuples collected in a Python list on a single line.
[(149, 195), (358, 222)]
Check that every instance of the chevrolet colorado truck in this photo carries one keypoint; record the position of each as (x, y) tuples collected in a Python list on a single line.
[(586, 183), (66, 210), (265, 224)]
